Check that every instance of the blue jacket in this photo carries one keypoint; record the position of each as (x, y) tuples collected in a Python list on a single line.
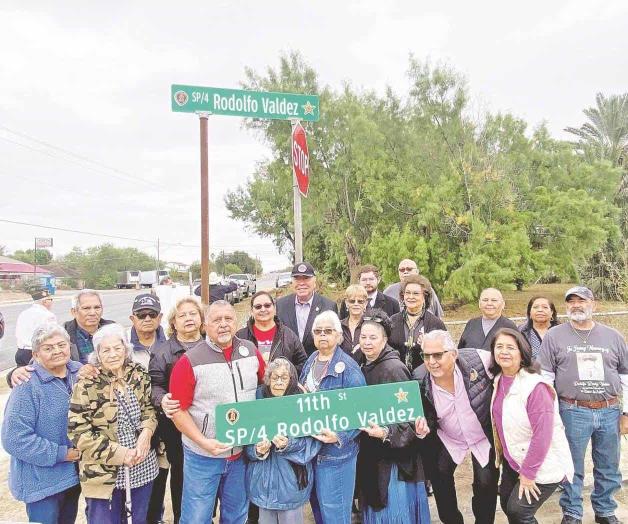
[(35, 434), (350, 377), (271, 482)]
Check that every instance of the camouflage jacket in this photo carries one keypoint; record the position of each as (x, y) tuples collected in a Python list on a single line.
[(92, 427)]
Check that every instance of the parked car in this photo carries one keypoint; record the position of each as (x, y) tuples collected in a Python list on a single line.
[(283, 279), (246, 283)]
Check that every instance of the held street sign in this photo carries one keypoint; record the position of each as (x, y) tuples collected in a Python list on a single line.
[(243, 423), (237, 102), (301, 159)]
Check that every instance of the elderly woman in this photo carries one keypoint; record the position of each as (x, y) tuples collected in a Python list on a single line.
[(279, 477), (409, 325), (529, 436), (43, 470), (111, 423), (356, 300), (334, 469), (271, 336), (185, 329), (541, 314), (390, 473)]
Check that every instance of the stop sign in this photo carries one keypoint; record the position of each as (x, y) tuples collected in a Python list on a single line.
[(300, 159)]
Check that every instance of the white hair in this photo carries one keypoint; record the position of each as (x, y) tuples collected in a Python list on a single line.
[(328, 316), (442, 336), (110, 330), (76, 299), (46, 331)]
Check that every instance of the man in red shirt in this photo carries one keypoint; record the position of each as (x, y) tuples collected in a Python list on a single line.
[(222, 369)]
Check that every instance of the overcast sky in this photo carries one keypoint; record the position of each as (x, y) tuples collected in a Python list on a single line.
[(93, 79)]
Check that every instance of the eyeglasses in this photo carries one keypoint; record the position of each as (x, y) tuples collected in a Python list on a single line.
[(412, 293), (266, 305), (356, 301), (143, 314), (377, 320), (406, 269), (327, 331), (280, 378), (437, 357), (47, 348)]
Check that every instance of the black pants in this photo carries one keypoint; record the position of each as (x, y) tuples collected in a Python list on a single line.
[(157, 497), (171, 437), (517, 509), (484, 499)]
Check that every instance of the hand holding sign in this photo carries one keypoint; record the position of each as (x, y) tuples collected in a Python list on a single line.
[(280, 441), (262, 448), (421, 428), (327, 436), (375, 431)]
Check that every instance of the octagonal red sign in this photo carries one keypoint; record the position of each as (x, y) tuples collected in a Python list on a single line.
[(301, 159)]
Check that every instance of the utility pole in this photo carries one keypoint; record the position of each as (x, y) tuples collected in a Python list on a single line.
[(203, 118), (158, 264)]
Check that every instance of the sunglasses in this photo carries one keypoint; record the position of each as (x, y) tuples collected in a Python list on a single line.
[(436, 356), (356, 301), (327, 331), (266, 305), (143, 314), (406, 269)]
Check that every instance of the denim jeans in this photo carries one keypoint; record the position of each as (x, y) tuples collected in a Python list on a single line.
[(105, 511), (203, 478), (60, 508), (601, 427), (332, 494)]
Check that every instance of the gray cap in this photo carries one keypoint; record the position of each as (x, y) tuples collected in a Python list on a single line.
[(580, 291)]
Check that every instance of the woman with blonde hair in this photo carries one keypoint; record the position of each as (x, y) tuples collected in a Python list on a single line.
[(185, 330), (356, 300)]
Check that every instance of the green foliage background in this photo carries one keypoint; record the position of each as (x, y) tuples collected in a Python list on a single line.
[(476, 201)]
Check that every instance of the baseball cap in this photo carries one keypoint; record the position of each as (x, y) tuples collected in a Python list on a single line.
[(146, 301), (303, 269), (580, 291)]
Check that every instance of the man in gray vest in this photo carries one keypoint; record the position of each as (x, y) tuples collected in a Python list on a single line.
[(456, 389)]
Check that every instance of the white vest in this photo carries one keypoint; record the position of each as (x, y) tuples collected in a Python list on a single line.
[(518, 431)]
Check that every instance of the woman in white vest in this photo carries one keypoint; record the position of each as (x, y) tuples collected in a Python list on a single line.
[(529, 436)]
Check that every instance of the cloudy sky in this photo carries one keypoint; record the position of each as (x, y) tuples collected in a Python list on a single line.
[(88, 141)]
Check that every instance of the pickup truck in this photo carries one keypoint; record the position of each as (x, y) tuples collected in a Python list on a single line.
[(247, 284)]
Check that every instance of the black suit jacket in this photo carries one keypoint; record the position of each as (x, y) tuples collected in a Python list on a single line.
[(389, 305), (287, 314), (473, 335)]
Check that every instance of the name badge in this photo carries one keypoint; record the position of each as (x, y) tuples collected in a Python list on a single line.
[(244, 351)]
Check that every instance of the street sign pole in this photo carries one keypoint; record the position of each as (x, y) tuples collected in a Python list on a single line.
[(298, 231), (35, 261), (203, 118)]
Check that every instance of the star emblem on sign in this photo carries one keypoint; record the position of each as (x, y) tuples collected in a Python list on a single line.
[(308, 109), (402, 396)]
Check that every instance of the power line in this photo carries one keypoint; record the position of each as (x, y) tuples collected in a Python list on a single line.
[(72, 154)]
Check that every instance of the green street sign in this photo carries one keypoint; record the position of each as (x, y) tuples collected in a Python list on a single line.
[(242, 423), (237, 102)]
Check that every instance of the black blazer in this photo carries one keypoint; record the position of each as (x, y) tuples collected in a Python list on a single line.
[(388, 305), (473, 335), (287, 314)]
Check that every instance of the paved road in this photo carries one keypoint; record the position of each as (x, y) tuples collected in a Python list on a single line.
[(116, 307)]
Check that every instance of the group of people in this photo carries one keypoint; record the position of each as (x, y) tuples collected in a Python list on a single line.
[(111, 412)]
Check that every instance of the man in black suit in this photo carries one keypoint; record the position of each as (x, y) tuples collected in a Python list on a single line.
[(369, 279), (299, 309)]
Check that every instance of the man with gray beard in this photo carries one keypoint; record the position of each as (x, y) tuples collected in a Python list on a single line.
[(588, 363)]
